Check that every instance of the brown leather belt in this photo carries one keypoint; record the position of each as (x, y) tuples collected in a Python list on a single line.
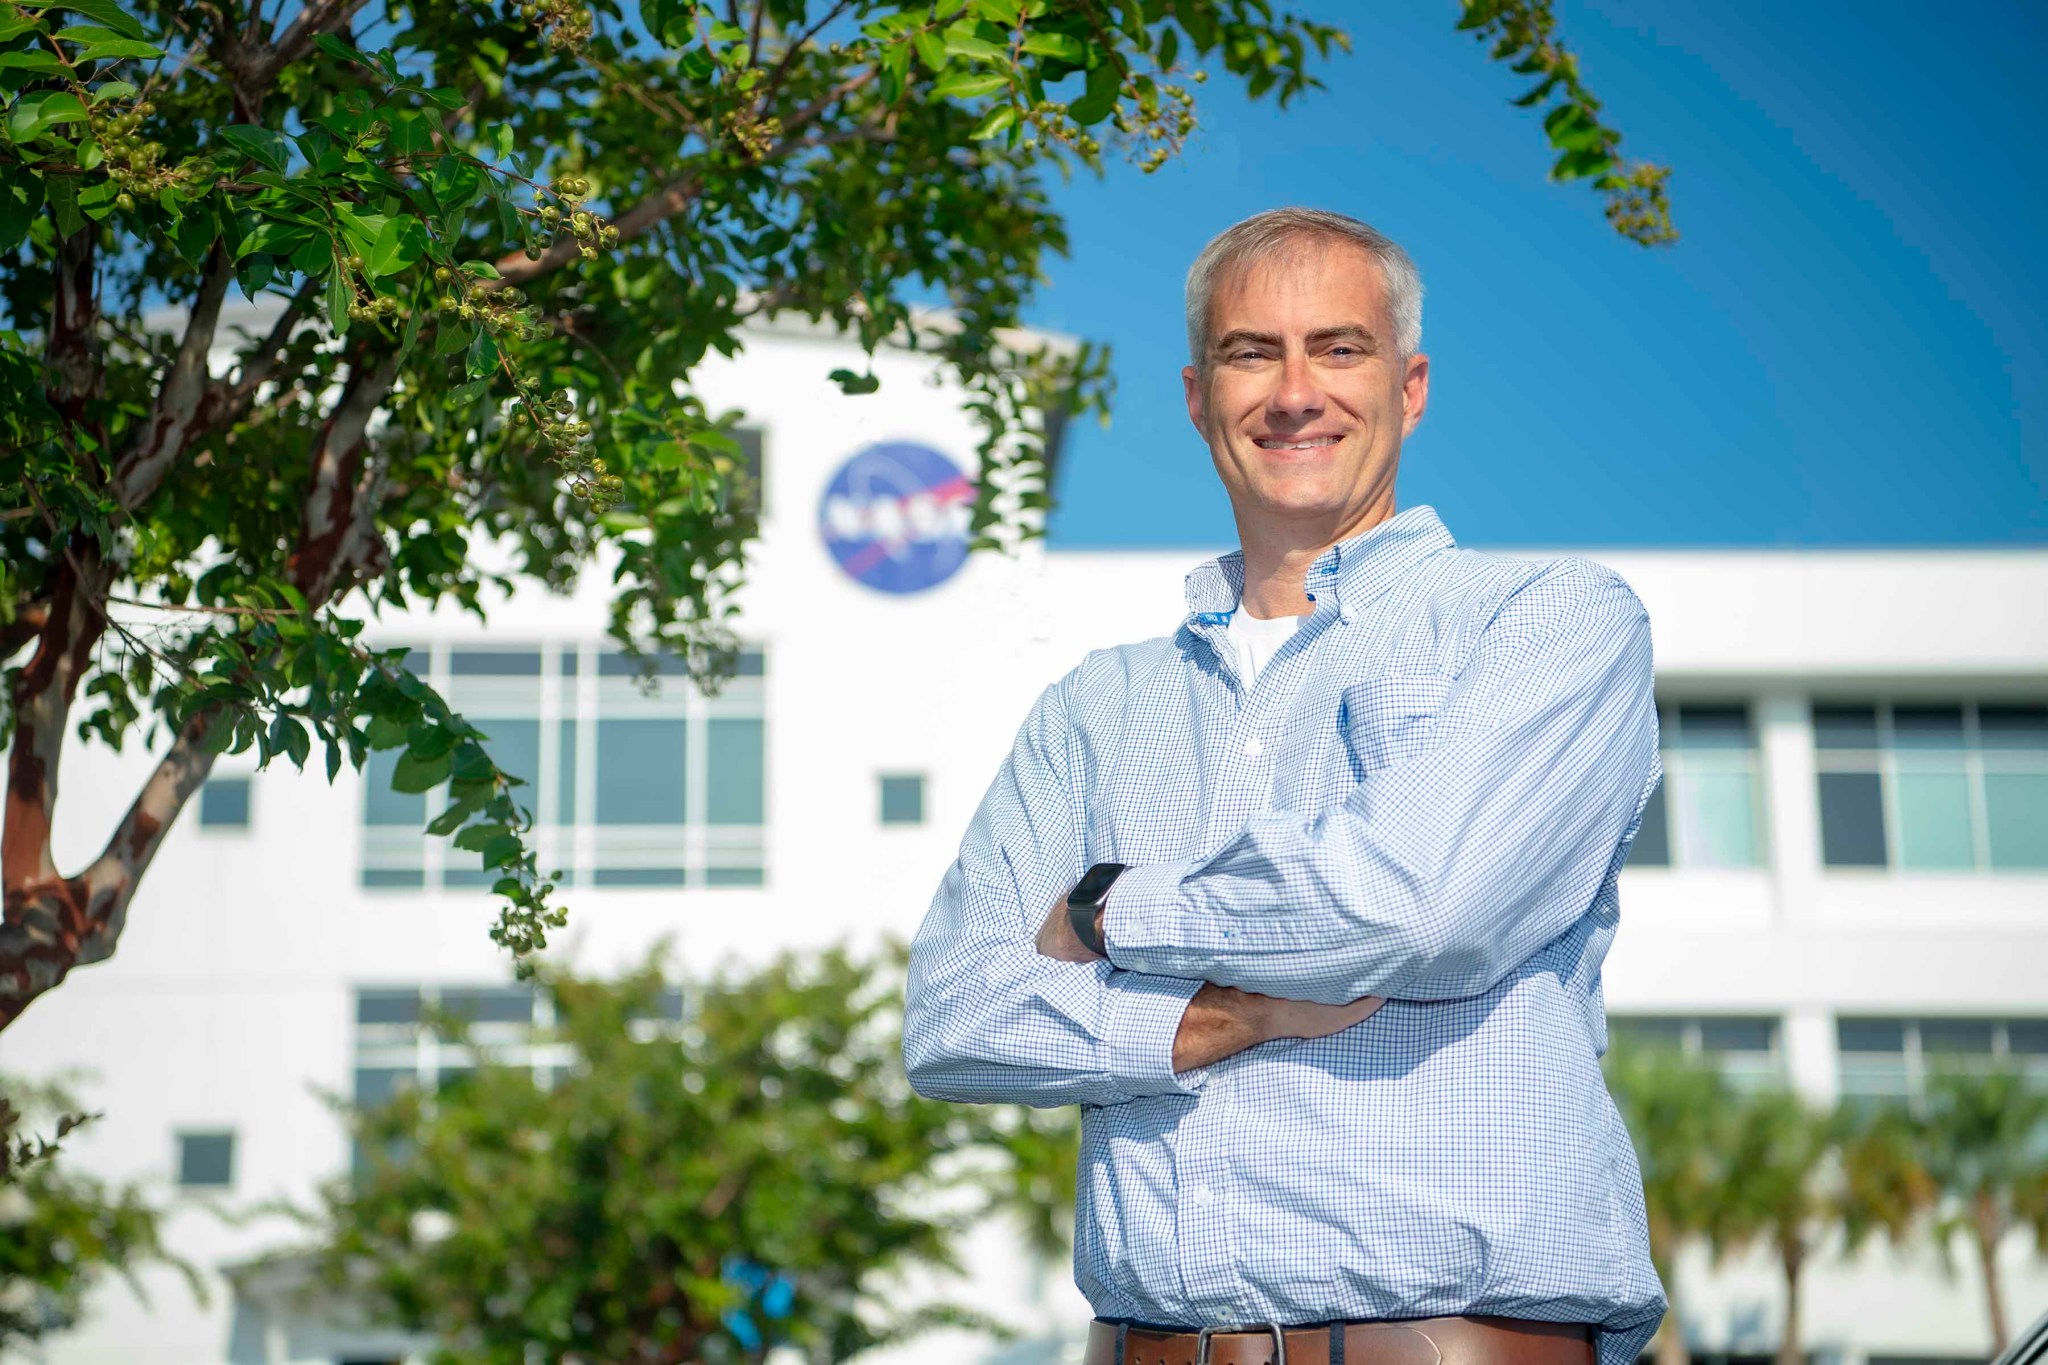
[(1423, 1341)]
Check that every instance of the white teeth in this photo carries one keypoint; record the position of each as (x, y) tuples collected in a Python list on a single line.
[(1316, 444)]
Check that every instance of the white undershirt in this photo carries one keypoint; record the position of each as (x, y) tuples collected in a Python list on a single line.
[(1257, 640)]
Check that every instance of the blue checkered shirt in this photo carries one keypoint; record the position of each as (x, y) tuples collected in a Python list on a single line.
[(1426, 794)]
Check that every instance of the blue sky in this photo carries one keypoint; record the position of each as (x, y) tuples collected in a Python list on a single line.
[(1846, 347)]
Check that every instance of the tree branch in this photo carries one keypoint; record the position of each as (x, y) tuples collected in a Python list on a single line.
[(43, 917), (665, 203), (28, 622), (72, 354), (183, 399), (337, 528)]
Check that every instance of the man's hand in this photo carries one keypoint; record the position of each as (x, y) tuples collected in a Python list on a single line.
[(1221, 1021), (1056, 937)]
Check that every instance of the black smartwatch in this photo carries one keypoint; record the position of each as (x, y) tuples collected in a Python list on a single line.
[(1086, 898)]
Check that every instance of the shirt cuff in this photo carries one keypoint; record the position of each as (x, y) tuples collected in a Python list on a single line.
[(1142, 919), (1140, 1023)]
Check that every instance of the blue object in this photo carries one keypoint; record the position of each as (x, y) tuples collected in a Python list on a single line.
[(1427, 795), (895, 517), (770, 1291)]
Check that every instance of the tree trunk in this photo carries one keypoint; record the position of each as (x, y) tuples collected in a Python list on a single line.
[(1790, 1351), (1988, 1230)]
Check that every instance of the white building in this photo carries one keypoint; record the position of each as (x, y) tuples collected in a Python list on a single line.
[(1850, 868)]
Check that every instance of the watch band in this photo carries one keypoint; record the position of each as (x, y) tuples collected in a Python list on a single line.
[(1085, 900)]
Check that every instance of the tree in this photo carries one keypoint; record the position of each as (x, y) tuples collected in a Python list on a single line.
[(1983, 1143), (1794, 1177), (494, 240), (1779, 1190), (1674, 1106), (696, 1190), (61, 1233)]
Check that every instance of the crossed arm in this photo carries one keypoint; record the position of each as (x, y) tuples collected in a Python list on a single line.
[(1435, 877)]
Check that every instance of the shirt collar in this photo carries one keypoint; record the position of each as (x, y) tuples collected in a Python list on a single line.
[(1354, 571)]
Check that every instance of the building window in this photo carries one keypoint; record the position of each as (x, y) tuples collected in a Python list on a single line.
[(224, 803), (206, 1160), (397, 1047), (902, 799), (1707, 812), (1889, 1057), (630, 783), (1748, 1048), (1953, 786)]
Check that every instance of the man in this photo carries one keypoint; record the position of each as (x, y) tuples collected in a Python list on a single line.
[(1305, 904)]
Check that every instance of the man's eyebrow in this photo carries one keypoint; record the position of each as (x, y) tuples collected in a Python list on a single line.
[(1246, 337), (1349, 331)]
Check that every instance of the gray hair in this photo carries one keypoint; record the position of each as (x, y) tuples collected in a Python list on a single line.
[(1263, 234)]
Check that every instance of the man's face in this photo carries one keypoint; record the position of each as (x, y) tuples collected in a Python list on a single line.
[(1306, 400)]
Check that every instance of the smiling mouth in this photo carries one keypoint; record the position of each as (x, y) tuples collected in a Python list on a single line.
[(1277, 443)]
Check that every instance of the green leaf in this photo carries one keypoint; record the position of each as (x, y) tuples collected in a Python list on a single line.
[(33, 114), (998, 119), (399, 243), (968, 85), (1098, 101), (42, 63), (931, 50), (116, 49), (276, 238), (96, 198), (107, 12), (413, 774), (21, 199), (339, 299), (62, 192), (455, 182), (483, 356), (335, 47), (959, 44), (501, 849), (852, 383), (361, 229), (1062, 46), (411, 134), (113, 90), (266, 145), (1573, 165)]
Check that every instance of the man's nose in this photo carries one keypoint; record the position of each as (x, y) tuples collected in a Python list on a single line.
[(1297, 396)]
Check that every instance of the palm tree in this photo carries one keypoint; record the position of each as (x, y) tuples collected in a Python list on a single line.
[(1983, 1141), (1674, 1106), (1780, 1188)]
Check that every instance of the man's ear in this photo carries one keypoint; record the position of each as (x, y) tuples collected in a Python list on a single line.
[(1414, 392), (1191, 383)]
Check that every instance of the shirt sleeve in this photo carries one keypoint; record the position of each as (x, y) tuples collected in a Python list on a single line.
[(986, 1017), (1444, 870)]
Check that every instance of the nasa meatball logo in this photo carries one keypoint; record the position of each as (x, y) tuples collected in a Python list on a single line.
[(895, 517)]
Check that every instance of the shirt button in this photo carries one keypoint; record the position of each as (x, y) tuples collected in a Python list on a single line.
[(1204, 1195), (1252, 747)]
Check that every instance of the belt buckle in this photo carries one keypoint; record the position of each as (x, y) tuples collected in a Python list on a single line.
[(1202, 1342)]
